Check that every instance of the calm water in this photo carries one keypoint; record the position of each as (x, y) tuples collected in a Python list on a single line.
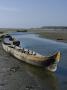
[(45, 80)]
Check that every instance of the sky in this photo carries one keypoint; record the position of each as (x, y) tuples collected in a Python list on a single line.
[(32, 13)]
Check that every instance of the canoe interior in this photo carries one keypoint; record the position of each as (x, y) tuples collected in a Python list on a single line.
[(31, 57)]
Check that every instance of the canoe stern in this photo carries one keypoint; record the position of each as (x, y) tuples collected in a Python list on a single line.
[(53, 66)]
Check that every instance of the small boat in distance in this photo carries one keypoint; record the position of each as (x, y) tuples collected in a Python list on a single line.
[(12, 47)]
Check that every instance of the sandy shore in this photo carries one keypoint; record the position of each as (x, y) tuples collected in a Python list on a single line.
[(51, 34), (16, 75), (59, 35)]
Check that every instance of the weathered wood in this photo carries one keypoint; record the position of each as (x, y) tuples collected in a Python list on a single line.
[(49, 62)]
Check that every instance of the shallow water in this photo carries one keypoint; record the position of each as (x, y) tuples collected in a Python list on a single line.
[(28, 77)]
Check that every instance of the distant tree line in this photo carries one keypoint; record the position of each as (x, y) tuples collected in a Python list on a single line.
[(54, 27), (22, 30)]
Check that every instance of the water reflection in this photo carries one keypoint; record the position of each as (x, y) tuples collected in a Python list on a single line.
[(43, 46), (45, 79)]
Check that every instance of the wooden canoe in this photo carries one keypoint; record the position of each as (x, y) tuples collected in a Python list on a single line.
[(28, 56)]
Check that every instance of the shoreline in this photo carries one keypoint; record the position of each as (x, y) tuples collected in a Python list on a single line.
[(17, 75), (53, 35), (60, 36)]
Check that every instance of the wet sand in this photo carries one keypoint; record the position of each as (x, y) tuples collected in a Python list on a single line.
[(60, 36), (17, 75)]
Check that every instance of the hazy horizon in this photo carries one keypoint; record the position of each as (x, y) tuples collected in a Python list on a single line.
[(32, 13)]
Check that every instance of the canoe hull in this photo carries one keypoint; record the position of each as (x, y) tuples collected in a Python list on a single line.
[(49, 63)]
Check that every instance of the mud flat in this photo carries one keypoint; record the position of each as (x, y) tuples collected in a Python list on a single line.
[(58, 35), (16, 75)]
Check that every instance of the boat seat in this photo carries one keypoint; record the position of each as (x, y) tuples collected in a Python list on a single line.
[(7, 36), (17, 43), (19, 50), (6, 43), (11, 39), (12, 46), (34, 54)]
